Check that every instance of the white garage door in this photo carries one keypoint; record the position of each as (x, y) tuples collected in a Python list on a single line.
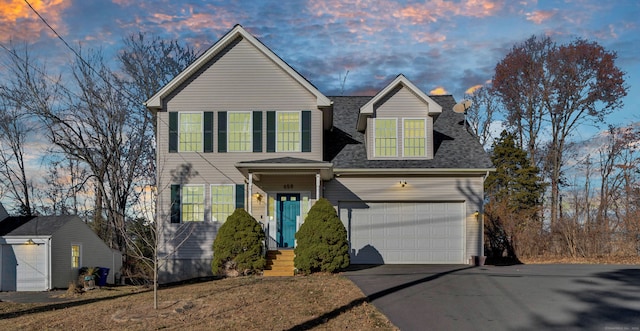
[(405, 233), (32, 267)]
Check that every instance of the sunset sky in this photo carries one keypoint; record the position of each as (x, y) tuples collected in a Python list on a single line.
[(444, 47)]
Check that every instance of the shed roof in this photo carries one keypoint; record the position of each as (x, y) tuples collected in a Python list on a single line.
[(33, 226)]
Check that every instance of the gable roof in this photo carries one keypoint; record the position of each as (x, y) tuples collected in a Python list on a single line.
[(455, 148), (367, 110), (155, 102), (33, 226)]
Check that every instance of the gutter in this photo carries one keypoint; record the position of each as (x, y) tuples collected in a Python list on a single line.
[(418, 171)]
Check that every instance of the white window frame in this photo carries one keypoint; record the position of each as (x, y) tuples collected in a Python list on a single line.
[(404, 120), (375, 139), (180, 148), (299, 149), (250, 144), (79, 255), (182, 202), (233, 200)]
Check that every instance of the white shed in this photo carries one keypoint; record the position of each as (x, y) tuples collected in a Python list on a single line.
[(45, 252)]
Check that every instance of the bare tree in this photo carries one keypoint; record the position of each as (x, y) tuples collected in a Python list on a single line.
[(481, 114), (563, 85), (15, 122)]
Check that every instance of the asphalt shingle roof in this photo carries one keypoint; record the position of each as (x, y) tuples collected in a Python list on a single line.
[(34, 226), (454, 147)]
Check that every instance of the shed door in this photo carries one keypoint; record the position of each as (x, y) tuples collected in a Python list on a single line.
[(405, 233), (31, 270)]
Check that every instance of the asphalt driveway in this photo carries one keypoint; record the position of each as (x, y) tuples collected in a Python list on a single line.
[(519, 297)]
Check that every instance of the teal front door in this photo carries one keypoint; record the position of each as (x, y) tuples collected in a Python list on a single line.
[(287, 213)]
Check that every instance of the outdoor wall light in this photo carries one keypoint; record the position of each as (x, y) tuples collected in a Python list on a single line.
[(477, 215), (403, 183), (258, 197), (30, 242)]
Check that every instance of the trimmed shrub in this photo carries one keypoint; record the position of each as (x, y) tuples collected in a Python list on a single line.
[(237, 249), (322, 241)]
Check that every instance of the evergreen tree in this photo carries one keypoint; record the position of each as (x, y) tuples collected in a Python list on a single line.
[(514, 194)]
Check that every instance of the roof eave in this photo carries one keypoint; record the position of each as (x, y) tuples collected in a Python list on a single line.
[(155, 102), (416, 171)]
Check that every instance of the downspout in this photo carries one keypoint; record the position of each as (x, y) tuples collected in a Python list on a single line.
[(249, 194), (481, 216), (317, 186)]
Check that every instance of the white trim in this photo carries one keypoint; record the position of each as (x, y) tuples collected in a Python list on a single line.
[(79, 254), (210, 202), (204, 201), (201, 131), (250, 149), (426, 137), (368, 111), (416, 171), (375, 156), (299, 130), (155, 102)]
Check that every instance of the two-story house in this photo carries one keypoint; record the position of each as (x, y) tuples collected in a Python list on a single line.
[(240, 128)]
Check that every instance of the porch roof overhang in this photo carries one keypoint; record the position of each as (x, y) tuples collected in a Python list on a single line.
[(286, 166)]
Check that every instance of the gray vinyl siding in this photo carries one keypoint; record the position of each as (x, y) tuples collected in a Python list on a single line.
[(243, 79), (94, 253), (402, 104), (468, 190)]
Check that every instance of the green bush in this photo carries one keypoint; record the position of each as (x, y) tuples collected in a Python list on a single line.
[(321, 241), (237, 248)]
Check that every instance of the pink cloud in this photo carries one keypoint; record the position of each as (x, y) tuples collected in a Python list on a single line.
[(433, 10), (540, 16), (427, 37)]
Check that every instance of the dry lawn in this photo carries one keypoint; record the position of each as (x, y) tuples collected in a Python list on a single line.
[(582, 260), (328, 302)]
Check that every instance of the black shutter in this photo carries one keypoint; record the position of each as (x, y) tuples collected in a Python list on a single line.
[(257, 131), (208, 132), (306, 131), (271, 131), (175, 203), (222, 131), (173, 132), (239, 195)]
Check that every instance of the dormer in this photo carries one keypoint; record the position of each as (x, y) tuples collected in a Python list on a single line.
[(398, 122)]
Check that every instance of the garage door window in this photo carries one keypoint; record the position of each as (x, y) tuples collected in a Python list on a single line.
[(75, 256)]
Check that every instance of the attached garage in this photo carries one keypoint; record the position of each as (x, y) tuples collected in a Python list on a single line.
[(405, 232)]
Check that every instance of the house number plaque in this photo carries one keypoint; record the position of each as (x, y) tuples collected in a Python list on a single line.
[(287, 186)]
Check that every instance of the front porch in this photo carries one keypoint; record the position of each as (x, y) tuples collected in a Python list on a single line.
[(280, 192)]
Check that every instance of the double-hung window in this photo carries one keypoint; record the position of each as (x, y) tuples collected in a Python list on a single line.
[(222, 202), (414, 137), (385, 137), (75, 256), (192, 203), (191, 132), (239, 132), (288, 131)]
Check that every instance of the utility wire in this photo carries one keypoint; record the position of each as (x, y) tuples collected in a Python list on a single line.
[(128, 96)]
